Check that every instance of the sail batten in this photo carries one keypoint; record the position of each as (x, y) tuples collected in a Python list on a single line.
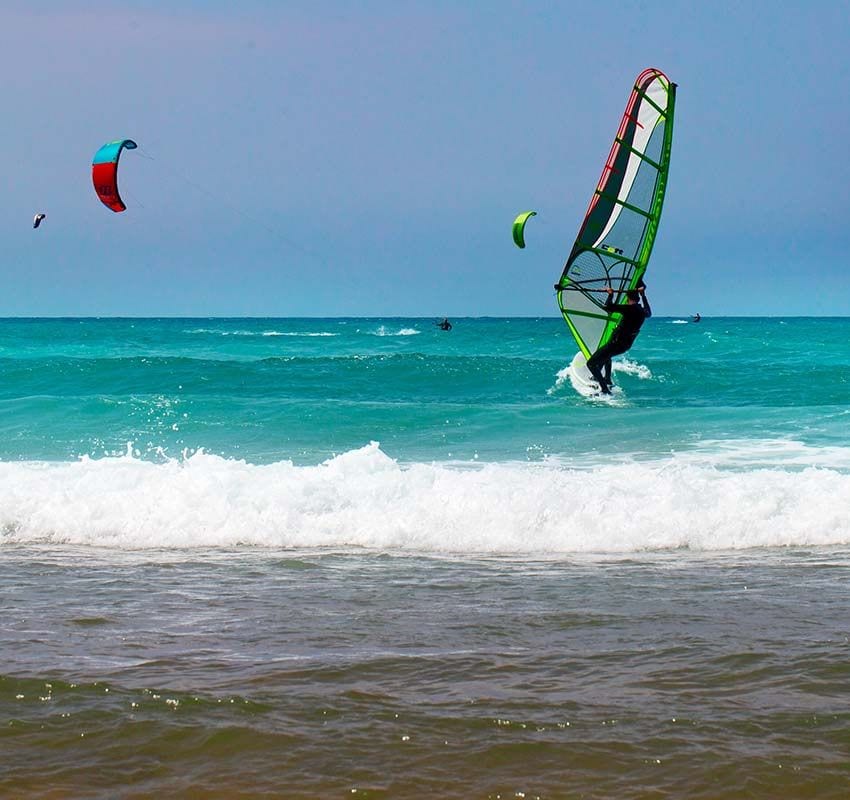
[(639, 154), (615, 239), (624, 204), (645, 96)]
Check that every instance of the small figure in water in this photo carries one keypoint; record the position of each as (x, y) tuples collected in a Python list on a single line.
[(634, 313), (36, 220), (445, 325), (696, 317)]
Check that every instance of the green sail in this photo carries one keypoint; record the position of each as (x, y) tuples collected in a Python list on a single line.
[(616, 237)]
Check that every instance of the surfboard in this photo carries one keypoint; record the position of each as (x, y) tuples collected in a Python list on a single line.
[(581, 379)]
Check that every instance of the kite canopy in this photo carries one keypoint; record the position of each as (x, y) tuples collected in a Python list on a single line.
[(519, 227), (104, 172), (616, 237)]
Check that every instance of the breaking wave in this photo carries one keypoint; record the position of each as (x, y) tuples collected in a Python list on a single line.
[(723, 496)]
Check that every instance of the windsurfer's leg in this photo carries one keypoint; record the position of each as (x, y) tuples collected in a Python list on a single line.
[(595, 364), (614, 348)]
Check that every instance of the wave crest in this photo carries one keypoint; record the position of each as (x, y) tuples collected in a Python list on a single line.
[(364, 498)]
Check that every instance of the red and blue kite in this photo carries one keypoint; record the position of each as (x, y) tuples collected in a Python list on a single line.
[(104, 172)]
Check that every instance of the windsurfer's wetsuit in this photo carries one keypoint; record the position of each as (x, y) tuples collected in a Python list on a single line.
[(621, 340), (445, 325)]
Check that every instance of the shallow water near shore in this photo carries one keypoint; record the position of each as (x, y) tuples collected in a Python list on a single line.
[(310, 673)]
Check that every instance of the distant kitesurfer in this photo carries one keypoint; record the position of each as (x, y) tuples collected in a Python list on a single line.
[(634, 311), (36, 220), (445, 325), (697, 317)]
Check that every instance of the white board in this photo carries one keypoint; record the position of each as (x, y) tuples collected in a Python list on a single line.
[(580, 377)]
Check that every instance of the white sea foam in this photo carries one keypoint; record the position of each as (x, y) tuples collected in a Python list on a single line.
[(561, 379), (678, 322), (219, 332), (629, 367), (703, 500), (625, 366), (766, 453), (298, 333), (384, 331)]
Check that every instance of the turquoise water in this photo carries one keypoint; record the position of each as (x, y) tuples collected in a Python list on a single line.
[(365, 557), (270, 390)]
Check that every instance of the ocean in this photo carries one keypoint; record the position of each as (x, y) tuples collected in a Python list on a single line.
[(371, 558)]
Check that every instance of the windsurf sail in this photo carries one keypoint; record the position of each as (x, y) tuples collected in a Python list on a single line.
[(616, 237)]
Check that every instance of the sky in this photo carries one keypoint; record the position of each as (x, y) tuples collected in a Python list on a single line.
[(367, 159)]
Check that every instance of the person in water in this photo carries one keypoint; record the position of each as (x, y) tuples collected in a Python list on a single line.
[(634, 311), (697, 317), (445, 325)]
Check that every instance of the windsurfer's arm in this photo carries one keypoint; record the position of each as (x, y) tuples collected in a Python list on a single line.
[(612, 307)]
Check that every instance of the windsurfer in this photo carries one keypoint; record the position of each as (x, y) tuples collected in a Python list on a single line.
[(445, 325), (634, 311)]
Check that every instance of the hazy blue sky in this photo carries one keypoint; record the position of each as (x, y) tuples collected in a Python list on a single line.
[(368, 158)]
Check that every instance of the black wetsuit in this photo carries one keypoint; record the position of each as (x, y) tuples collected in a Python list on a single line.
[(621, 340)]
